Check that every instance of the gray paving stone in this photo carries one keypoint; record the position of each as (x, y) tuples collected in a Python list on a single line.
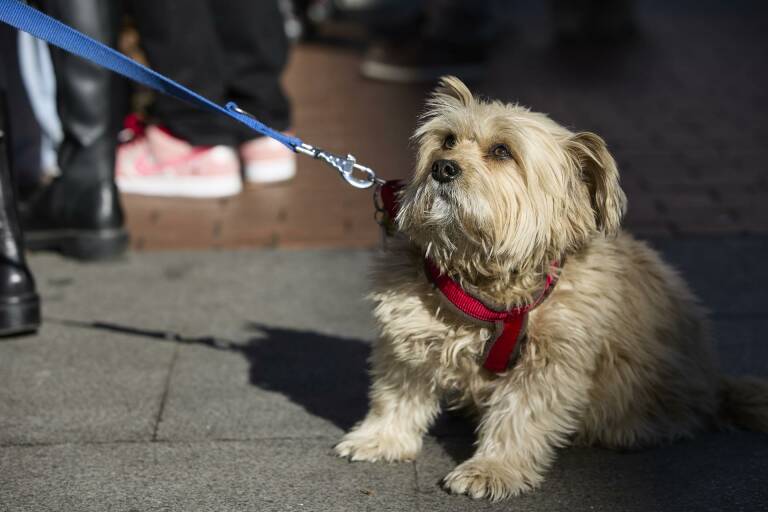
[(68, 384), (283, 382), (270, 475), (214, 293), (714, 472)]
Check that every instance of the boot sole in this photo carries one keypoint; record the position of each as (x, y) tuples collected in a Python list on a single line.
[(85, 245), (19, 316)]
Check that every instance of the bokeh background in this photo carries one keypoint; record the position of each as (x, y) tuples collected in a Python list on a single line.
[(682, 105)]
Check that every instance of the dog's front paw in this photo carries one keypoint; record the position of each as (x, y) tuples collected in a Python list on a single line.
[(488, 478), (375, 445)]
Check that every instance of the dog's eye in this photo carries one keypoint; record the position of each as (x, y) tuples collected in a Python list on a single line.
[(501, 151), (449, 142)]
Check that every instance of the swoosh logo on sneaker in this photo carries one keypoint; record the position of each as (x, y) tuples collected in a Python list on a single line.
[(192, 163)]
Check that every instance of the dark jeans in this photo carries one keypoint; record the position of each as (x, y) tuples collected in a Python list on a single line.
[(448, 22), (233, 50)]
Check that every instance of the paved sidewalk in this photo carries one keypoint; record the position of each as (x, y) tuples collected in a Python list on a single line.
[(242, 414)]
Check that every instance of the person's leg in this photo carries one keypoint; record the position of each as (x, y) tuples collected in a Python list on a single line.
[(181, 42), (79, 213), (255, 49), (383, 17), (36, 69), (255, 52), (186, 151), (84, 93), (452, 38), (468, 24), (593, 21), (19, 302)]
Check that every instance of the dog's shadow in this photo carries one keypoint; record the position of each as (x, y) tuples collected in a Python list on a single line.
[(325, 375), (328, 377)]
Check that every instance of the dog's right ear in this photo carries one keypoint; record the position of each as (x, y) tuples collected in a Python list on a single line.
[(451, 88)]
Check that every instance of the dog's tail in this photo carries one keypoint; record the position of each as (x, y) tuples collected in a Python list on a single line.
[(745, 403)]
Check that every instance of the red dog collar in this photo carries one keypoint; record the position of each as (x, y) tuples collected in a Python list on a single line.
[(508, 327)]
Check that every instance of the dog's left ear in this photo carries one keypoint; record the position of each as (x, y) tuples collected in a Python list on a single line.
[(450, 89), (598, 170)]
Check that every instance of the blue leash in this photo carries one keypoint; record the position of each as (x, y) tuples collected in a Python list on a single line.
[(27, 19)]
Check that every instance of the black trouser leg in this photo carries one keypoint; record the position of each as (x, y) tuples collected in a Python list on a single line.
[(85, 100), (181, 42), (233, 50), (79, 213), (19, 302), (255, 54)]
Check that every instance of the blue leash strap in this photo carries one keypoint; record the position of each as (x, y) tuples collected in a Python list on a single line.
[(27, 19)]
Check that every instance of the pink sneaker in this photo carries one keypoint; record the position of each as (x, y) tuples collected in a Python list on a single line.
[(267, 161), (158, 164)]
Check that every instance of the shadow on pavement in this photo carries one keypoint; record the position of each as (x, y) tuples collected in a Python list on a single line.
[(326, 375)]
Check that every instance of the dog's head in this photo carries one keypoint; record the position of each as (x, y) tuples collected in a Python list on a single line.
[(498, 188)]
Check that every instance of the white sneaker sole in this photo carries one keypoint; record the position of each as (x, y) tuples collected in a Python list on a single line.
[(271, 171), (198, 187)]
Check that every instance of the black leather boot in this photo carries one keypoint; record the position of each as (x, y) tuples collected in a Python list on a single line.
[(77, 219), (79, 213), (19, 302)]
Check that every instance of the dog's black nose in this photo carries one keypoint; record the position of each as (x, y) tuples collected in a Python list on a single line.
[(444, 171)]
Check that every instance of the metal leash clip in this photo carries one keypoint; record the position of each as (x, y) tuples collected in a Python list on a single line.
[(347, 167)]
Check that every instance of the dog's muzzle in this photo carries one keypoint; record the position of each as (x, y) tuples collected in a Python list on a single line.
[(444, 171)]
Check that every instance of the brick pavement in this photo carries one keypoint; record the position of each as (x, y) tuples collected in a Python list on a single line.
[(683, 109)]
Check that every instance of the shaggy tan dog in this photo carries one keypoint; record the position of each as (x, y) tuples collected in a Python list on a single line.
[(618, 355)]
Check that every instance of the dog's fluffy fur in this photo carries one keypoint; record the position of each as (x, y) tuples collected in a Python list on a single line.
[(619, 354)]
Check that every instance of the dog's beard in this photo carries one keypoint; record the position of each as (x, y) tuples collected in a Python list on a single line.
[(446, 221), (430, 214), (440, 207), (471, 229)]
